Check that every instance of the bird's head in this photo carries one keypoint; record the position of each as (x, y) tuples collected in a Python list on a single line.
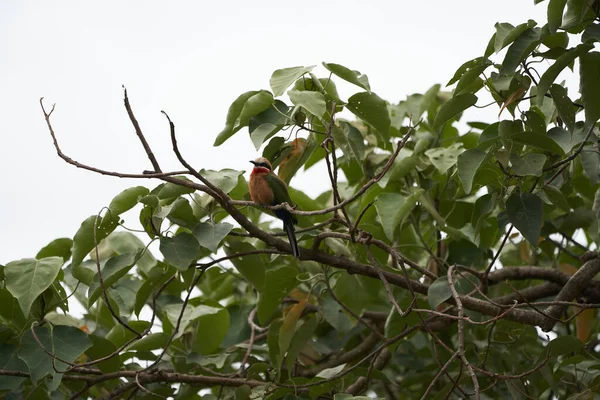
[(261, 165)]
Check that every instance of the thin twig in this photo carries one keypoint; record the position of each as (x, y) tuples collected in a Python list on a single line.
[(139, 133), (485, 274), (103, 287), (461, 333), (93, 169), (575, 154), (349, 310), (437, 376)]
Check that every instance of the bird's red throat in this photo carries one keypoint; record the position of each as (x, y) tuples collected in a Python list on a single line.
[(259, 170)]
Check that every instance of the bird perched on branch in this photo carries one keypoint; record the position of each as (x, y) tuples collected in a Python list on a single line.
[(268, 189)]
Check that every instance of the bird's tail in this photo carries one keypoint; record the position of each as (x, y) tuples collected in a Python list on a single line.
[(288, 227)]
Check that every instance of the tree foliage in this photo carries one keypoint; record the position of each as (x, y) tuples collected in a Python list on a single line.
[(448, 259)]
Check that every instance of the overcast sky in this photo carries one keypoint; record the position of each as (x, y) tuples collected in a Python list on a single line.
[(191, 59)]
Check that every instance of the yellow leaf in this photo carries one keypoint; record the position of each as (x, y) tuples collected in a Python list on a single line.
[(289, 165), (516, 95), (524, 252), (567, 269), (583, 324), (299, 294), (293, 314)]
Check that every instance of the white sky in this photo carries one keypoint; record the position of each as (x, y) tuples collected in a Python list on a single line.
[(191, 59)]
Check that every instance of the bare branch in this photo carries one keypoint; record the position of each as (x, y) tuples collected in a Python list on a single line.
[(139, 133)]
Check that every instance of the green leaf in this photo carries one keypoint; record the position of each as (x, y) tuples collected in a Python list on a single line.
[(335, 315), (565, 345), (252, 267), (401, 168), (313, 102), (66, 342), (468, 77), (232, 122), (101, 348), (537, 140), (180, 250), (283, 78), (241, 110), (212, 329), (564, 106), (114, 269), (349, 75), (443, 158), (372, 109), (555, 14), (557, 197), (393, 208), (350, 291), (576, 11), (182, 213), (474, 63), (438, 292), (190, 315), (350, 140), (591, 33), (506, 33), (429, 98), (126, 242), (589, 86), (301, 337), (519, 50), (531, 164), (596, 208), (453, 107), (217, 284), (156, 278), (526, 211), (83, 241), (118, 335), (590, 161), (502, 30), (11, 362), (171, 190), (566, 141), (225, 179), (26, 279), (11, 311), (153, 341), (468, 164), (57, 248), (331, 372), (262, 133), (273, 343), (278, 283), (561, 63), (255, 105), (387, 207), (556, 41), (127, 199), (210, 235), (276, 115)]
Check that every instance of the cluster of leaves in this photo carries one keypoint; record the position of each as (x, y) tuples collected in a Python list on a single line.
[(521, 192)]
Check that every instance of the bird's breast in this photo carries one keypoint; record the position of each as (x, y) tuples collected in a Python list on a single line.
[(260, 191)]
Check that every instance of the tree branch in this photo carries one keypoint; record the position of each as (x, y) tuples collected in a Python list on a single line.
[(139, 133)]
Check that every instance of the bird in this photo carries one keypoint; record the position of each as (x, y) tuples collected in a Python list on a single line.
[(268, 189)]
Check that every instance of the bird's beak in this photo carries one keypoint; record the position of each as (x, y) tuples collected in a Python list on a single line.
[(253, 162)]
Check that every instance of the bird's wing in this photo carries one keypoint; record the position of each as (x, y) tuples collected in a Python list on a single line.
[(280, 190)]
